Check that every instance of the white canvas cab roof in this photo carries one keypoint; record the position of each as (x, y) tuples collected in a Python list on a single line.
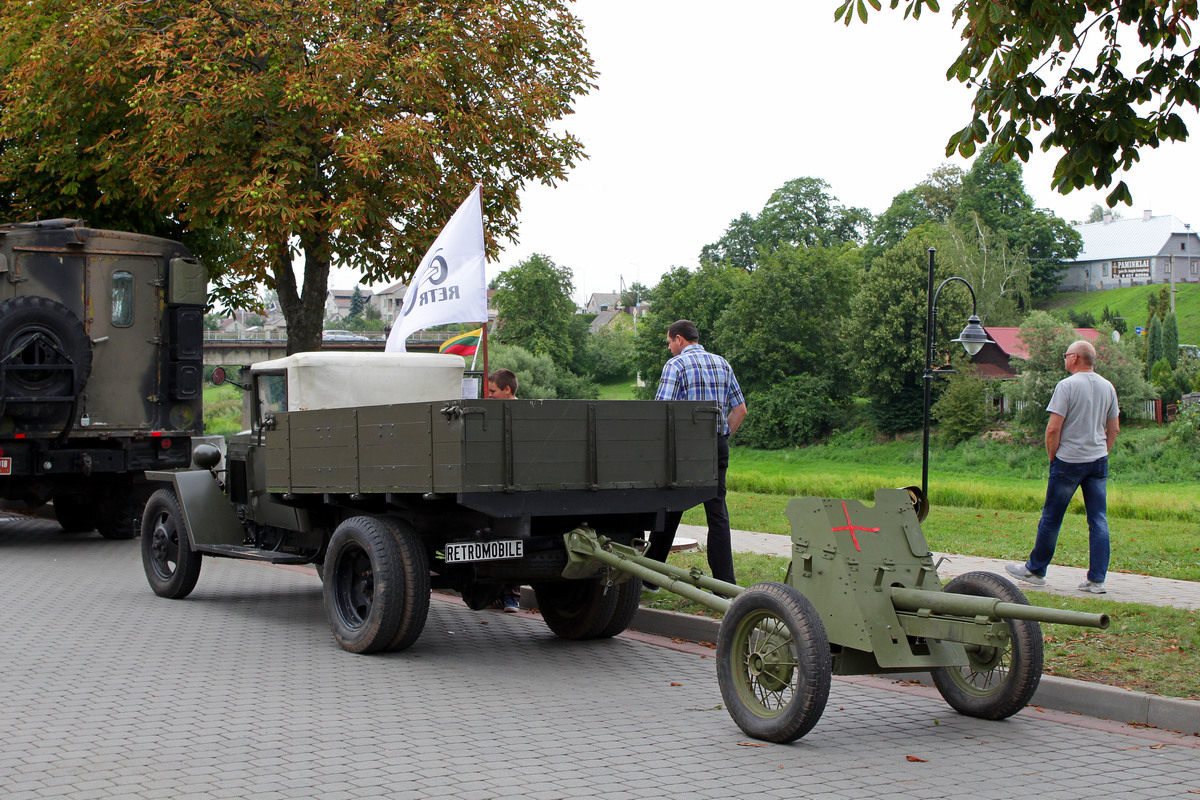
[(341, 380)]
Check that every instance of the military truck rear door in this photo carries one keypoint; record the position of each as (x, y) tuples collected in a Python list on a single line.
[(126, 328)]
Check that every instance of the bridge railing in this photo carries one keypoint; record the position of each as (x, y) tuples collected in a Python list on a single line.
[(280, 337)]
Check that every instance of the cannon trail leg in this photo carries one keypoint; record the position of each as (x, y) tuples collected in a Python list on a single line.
[(773, 663), (998, 681)]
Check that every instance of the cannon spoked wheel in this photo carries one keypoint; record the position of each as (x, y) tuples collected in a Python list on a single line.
[(773, 663), (172, 566), (375, 585), (997, 682), (577, 609)]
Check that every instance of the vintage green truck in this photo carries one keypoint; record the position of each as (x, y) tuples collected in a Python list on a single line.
[(372, 467)]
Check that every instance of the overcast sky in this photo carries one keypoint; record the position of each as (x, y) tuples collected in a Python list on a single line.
[(705, 108)]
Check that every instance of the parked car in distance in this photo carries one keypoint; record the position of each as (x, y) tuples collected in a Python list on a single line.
[(1189, 350), (343, 336)]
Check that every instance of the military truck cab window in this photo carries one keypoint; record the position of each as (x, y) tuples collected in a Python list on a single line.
[(122, 299), (270, 395)]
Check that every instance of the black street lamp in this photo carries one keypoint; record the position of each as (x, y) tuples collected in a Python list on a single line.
[(972, 338)]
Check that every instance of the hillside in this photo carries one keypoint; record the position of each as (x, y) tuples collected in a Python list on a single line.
[(1130, 302)]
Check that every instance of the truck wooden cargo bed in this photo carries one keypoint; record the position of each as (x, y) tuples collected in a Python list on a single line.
[(466, 447)]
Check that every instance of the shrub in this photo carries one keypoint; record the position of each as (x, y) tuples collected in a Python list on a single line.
[(794, 412), (962, 410)]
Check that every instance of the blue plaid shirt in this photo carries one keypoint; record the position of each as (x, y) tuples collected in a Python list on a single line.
[(696, 374)]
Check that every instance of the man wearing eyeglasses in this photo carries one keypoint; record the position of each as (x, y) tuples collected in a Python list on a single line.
[(1082, 429)]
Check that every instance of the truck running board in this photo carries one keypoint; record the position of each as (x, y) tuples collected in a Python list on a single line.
[(253, 553)]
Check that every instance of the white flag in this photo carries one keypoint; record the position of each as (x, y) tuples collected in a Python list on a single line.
[(450, 285)]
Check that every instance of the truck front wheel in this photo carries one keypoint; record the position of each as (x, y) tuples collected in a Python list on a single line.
[(376, 585), (172, 566)]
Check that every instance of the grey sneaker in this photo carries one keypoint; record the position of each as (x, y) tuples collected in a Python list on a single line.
[(1022, 573), (1093, 587)]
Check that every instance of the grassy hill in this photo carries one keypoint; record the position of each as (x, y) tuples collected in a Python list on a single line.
[(1131, 302)]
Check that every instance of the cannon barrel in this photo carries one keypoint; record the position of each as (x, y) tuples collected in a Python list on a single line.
[(965, 605)]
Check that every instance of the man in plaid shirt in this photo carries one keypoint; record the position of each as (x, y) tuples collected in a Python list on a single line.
[(693, 373)]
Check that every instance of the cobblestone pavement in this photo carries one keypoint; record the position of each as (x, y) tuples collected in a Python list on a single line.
[(239, 691)]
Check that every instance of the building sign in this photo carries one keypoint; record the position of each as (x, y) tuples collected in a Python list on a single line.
[(1132, 268)]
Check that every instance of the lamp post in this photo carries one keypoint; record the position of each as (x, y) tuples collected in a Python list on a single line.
[(972, 338)]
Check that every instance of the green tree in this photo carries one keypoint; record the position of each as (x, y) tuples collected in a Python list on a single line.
[(932, 200), (792, 413), (701, 296), (998, 274), (1143, 70), (962, 409), (538, 377), (1121, 364), (357, 303), (800, 213), (1114, 320), (1099, 212), (886, 333), (785, 319), (1154, 345), (342, 132), (1170, 339), (1046, 339), (608, 353), (993, 196), (534, 305)]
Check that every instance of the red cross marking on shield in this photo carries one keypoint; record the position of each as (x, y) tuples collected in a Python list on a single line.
[(852, 528)]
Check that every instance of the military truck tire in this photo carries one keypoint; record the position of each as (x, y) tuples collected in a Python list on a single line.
[(997, 682), (74, 514), (119, 513), (576, 609), (374, 574), (172, 566), (629, 596), (46, 333), (773, 663)]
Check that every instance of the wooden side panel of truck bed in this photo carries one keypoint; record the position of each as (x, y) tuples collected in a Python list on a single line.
[(493, 446)]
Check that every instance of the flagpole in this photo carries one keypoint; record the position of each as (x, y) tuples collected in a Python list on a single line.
[(485, 360)]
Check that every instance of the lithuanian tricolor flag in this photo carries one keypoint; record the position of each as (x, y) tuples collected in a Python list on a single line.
[(465, 344)]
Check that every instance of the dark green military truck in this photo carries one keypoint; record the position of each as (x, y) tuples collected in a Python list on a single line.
[(370, 466), (100, 368)]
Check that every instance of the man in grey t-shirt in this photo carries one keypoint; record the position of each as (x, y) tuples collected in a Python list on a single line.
[(1081, 431)]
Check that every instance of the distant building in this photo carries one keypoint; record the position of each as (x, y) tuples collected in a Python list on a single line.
[(337, 302), (602, 301), (1133, 252), (389, 301)]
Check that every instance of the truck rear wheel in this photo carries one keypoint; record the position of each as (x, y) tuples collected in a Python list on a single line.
[(74, 514), (629, 596), (172, 566), (576, 609), (773, 663), (997, 682), (376, 585), (119, 512)]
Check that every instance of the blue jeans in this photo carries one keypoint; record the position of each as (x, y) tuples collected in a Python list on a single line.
[(1065, 478)]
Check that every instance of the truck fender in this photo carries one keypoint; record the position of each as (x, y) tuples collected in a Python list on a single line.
[(207, 513)]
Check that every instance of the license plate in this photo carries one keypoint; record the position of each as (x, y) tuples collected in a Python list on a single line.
[(459, 552), (5, 466)]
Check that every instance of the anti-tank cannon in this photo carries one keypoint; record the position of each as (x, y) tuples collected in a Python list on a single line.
[(862, 596)]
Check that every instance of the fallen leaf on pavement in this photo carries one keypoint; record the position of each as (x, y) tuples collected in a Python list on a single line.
[(920, 760)]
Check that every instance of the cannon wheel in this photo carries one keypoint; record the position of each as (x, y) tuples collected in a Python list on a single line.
[(375, 585), (629, 597), (773, 663), (997, 682), (172, 566), (577, 609)]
